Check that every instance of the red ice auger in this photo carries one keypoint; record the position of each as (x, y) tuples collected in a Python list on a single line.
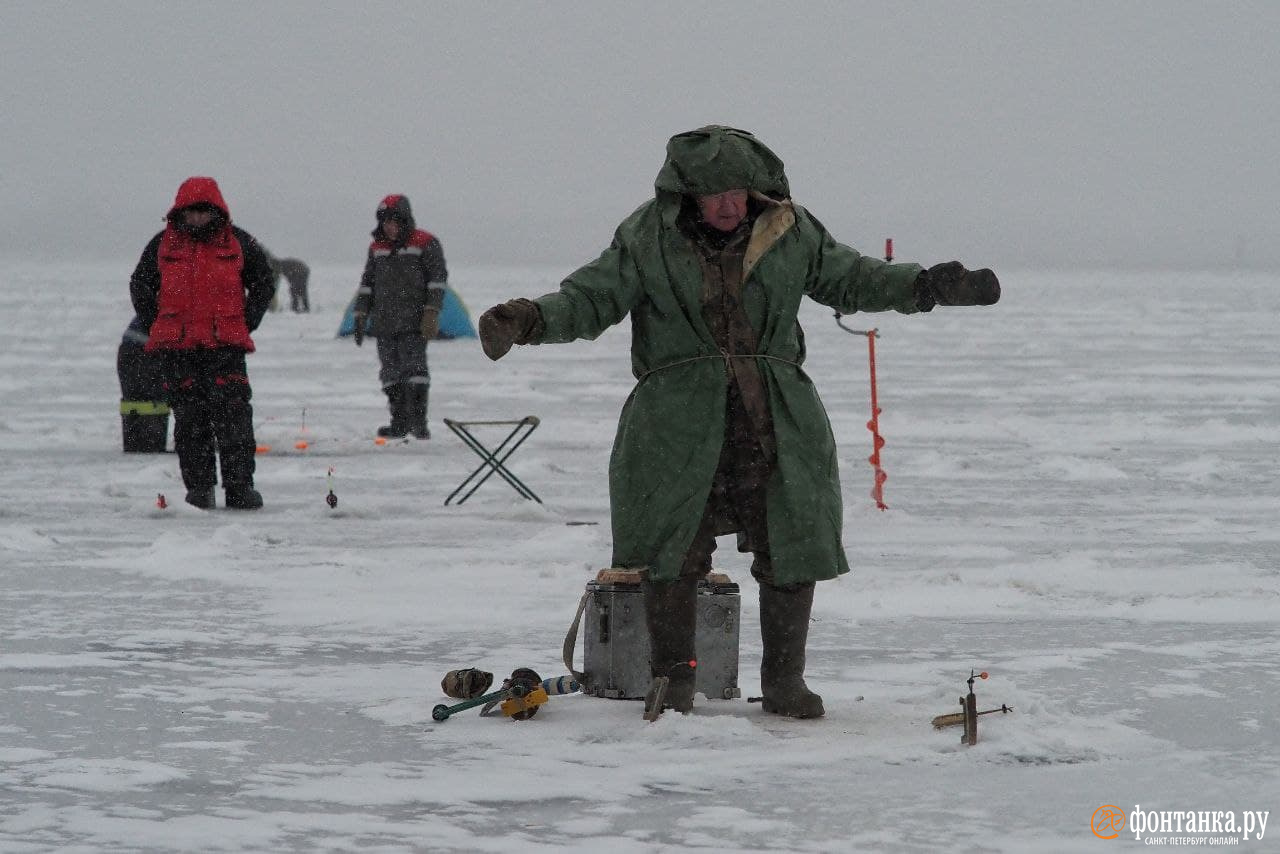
[(877, 441)]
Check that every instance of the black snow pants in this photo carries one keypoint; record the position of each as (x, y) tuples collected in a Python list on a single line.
[(209, 393)]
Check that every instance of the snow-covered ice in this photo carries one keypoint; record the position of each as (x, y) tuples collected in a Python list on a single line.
[(1083, 497)]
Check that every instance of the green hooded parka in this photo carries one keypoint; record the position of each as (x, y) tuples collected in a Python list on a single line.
[(672, 427)]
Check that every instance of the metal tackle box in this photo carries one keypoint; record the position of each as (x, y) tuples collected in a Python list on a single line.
[(616, 642)]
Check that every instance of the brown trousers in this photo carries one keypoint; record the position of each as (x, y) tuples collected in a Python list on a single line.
[(737, 500)]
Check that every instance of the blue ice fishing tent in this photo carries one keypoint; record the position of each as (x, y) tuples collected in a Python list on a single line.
[(454, 320)]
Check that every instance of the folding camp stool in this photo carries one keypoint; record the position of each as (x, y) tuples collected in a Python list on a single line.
[(495, 460)]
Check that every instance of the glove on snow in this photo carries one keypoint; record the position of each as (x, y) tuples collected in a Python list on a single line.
[(465, 684), (516, 321)]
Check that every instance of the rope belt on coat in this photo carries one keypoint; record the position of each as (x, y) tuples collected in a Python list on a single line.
[(723, 354)]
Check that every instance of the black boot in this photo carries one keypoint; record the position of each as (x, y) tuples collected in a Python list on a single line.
[(202, 497), (418, 393), (397, 404), (243, 497), (784, 631), (670, 614)]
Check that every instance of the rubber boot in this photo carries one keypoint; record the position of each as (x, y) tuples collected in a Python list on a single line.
[(784, 631), (397, 403), (670, 614), (418, 394)]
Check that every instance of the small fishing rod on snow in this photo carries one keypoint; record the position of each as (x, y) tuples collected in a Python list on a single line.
[(969, 714), (519, 697)]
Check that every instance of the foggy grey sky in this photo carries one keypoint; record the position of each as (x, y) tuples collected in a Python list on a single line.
[(1003, 134)]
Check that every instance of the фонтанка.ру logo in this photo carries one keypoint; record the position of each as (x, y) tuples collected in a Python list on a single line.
[(1180, 827)]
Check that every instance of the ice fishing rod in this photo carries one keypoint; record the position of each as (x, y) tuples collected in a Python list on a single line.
[(969, 714), (519, 697), (877, 441)]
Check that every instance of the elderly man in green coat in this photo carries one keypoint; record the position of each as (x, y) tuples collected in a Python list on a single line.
[(724, 432)]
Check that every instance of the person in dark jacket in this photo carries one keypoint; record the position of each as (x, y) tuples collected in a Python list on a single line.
[(296, 273), (400, 296), (201, 287), (724, 432), (144, 414)]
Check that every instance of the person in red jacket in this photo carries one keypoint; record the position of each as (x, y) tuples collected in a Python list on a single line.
[(201, 287)]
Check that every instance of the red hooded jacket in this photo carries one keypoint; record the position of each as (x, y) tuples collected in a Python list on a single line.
[(201, 298)]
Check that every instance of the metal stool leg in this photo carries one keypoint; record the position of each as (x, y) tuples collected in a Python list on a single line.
[(495, 460)]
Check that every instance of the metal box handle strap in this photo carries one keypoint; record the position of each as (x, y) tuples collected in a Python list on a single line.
[(571, 640)]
